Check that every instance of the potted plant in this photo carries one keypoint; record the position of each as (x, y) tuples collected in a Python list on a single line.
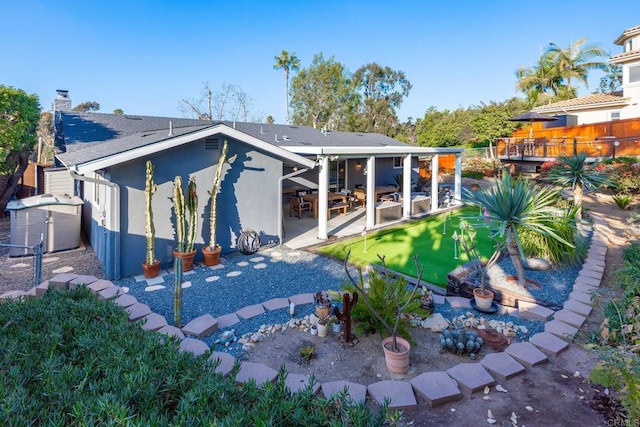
[(323, 325), (322, 303), (398, 300), (336, 325), (211, 253), (185, 248), (151, 265), (482, 296)]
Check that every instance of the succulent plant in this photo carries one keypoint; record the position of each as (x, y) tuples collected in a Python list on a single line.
[(461, 341)]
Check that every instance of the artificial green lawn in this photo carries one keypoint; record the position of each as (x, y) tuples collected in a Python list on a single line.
[(423, 237)]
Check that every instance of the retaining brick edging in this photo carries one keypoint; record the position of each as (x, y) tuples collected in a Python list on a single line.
[(435, 387)]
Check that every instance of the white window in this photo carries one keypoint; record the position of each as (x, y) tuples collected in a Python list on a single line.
[(629, 45), (615, 115), (397, 162), (634, 74)]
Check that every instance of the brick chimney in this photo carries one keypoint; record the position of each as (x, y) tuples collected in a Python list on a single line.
[(62, 102)]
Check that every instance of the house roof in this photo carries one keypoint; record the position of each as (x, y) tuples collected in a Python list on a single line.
[(626, 34), (96, 140), (623, 57), (595, 101)]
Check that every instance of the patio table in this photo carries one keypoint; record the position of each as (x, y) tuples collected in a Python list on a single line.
[(331, 197)]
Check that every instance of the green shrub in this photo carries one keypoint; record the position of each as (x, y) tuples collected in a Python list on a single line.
[(70, 359), (623, 200), (472, 174)]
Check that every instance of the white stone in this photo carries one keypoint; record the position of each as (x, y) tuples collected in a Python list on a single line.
[(257, 259), (260, 266), (537, 264), (212, 278), (186, 285), (154, 288), (234, 273), (436, 322), (242, 264)]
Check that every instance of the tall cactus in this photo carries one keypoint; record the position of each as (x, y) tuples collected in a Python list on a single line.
[(192, 207), (214, 192), (178, 207), (149, 229), (177, 291), (348, 301)]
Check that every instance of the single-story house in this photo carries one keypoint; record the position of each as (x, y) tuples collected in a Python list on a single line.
[(105, 156)]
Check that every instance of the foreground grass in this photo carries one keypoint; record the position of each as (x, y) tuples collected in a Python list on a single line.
[(424, 237), (70, 359)]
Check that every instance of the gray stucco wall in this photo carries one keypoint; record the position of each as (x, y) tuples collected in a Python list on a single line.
[(247, 199)]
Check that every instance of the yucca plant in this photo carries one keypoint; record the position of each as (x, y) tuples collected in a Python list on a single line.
[(517, 204), (573, 172), (623, 200)]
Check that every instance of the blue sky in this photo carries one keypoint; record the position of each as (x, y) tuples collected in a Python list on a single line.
[(145, 56)]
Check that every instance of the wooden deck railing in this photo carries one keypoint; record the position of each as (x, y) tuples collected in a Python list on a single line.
[(543, 149)]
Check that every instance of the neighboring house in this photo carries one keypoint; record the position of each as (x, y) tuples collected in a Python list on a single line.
[(606, 107), (106, 153)]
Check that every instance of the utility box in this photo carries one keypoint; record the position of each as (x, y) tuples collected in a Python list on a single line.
[(54, 217)]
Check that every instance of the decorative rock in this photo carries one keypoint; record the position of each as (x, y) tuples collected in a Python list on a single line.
[(436, 322), (537, 264)]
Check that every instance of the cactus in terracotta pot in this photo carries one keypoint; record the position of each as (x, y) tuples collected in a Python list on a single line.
[(150, 265), (185, 241), (211, 252)]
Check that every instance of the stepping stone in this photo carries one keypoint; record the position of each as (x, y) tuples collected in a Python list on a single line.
[(137, 311), (212, 278), (549, 343), (42, 288), (61, 281), (502, 366), (82, 280), (592, 273), (436, 388), (471, 377), (577, 307), (227, 320), (561, 330), (12, 295), (225, 361), (64, 269), (298, 382), (185, 285), (173, 331), (193, 346), (597, 250), (587, 281), (276, 304), (570, 318), (438, 299), (459, 302), (581, 297), (398, 393), (250, 311), (153, 322), (110, 293), (126, 300), (99, 285), (216, 267), (242, 264), (260, 266), (47, 260), (154, 288), (356, 392), (533, 311), (234, 273), (201, 326), (526, 353), (301, 299), (257, 259), (259, 372)]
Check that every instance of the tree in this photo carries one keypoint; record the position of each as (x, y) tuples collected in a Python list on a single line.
[(517, 204), (118, 111), (286, 62), (46, 147), (229, 102), (322, 95), (572, 172), (382, 91), (87, 107), (539, 81), (612, 82), (19, 116), (270, 119), (576, 61)]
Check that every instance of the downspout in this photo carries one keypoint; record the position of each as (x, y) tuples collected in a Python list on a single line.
[(115, 211), (280, 214)]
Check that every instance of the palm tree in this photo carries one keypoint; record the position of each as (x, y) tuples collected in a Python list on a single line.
[(539, 79), (572, 172), (576, 61), (286, 61), (518, 204)]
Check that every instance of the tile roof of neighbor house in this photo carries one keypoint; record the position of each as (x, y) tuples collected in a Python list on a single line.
[(92, 136), (629, 32), (589, 101)]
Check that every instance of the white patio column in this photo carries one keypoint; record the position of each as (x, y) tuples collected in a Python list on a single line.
[(406, 186), (434, 182), (457, 188), (323, 189), (371, 192)]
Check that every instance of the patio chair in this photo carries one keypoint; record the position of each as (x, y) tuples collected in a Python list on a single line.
[(297, 205)]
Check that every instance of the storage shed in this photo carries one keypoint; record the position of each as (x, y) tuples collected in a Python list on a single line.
[(55, 217)]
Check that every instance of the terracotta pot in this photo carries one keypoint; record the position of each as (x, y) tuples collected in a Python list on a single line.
[(485, 301), (187, 259), (322, 311), (397, 362), (322, 330), (151, 270), (211, 256), (475, 187)]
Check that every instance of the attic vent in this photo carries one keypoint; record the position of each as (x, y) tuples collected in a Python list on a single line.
[(305, 143), (293, 127), (286, 138), (211, 144), (133, 118)]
